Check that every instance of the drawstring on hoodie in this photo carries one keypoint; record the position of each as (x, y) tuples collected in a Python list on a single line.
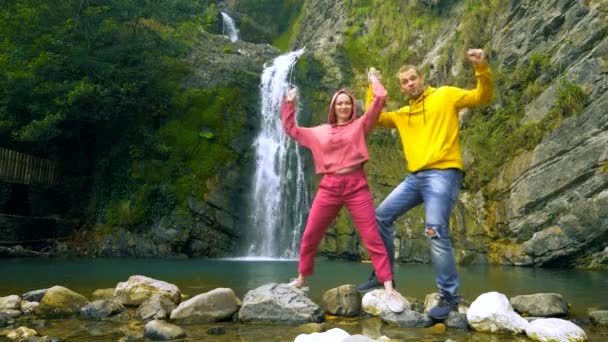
[(423, 112)]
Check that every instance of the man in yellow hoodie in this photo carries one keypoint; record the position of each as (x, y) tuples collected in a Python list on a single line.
[(429, 130)]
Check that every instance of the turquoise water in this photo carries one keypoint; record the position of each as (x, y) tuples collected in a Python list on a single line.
[(582, 289)]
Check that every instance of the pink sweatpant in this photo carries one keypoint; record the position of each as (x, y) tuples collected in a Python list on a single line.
[(352, 190)]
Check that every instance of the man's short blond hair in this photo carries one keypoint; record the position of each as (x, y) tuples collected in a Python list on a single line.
[(408, 67)]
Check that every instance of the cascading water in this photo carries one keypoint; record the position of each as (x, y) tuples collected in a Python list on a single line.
[(280, 198), (229, 28)]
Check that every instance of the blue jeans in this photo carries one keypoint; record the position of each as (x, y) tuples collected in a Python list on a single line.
[(438, 190)]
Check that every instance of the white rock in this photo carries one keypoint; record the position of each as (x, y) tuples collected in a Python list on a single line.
[(10, 302), (492, 312), (333, 335), (373, 304), (555, 330)]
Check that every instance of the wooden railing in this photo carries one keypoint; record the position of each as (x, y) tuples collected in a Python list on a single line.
[(17, 167)]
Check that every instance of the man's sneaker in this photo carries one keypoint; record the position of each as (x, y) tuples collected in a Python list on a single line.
[(371, 284), (394, 301), (446, 305)]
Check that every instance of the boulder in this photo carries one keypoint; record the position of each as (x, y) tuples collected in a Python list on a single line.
[(342, 301), (59, 302), (156, 307), (100, 294), (599, 317), (162, 331), (333, 335), (106, 309), (12, 302), (279, 304), (11, 313), (212, 306), (540, 305), (457, 320), (491, 312), (406, 318), (373, 304), (34, 296), (28, 308), (555, 329), (138, 288)]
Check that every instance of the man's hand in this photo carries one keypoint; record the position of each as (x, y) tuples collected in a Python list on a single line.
[(292, 94), (477, 56)]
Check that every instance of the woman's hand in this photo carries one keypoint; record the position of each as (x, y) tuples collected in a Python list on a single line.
[(292, 94), (373, 75)]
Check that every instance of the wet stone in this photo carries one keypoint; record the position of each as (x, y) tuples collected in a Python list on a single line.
[(34, 296), (457, 320), (216, 331)]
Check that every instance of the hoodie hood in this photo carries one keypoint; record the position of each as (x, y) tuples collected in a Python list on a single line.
[(332, 118)]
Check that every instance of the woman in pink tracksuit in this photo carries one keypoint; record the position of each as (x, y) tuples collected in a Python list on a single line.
[(339, 151)]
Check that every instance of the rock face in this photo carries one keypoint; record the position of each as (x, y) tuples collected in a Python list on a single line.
[(212, 227), (546, 206), (279, 304), (549, 205), (553, 200), (323, 34)]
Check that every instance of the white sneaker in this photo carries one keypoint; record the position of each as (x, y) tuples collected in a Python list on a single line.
[(394, 302)]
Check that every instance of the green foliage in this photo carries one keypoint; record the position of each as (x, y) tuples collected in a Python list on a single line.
[(210, 17), (195, 143), (478, 22), (604, 167), (269, 20), (525, 74), (97, 85), (571, 98), (286, 38)]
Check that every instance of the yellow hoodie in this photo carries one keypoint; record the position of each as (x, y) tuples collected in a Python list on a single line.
[(429, 125)]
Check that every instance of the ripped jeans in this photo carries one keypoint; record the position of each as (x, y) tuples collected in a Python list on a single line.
[(438, 190)]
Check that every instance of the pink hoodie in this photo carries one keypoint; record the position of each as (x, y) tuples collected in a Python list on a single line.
[(335, 147)]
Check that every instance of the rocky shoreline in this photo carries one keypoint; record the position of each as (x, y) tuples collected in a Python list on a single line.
[(160, 312)]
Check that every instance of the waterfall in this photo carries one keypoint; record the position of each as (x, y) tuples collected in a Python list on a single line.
[(229, 28), (280, 197)]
